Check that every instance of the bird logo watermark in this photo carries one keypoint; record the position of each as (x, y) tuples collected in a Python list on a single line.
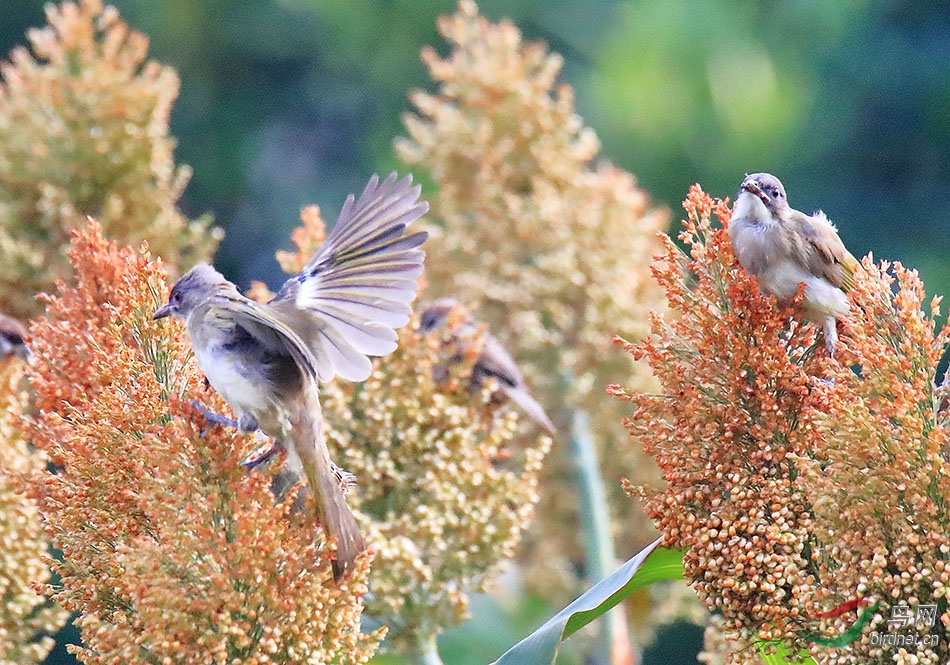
[(915, 620)]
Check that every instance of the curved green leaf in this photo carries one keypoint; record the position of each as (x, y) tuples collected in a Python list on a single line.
[(652, 564), (850, 635)]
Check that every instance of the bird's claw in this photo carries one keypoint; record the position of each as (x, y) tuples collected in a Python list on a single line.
[(260, 455), (213, 417), (830, 345), (245, 423)]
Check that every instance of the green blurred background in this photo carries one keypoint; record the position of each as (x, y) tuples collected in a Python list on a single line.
[(289, 102)]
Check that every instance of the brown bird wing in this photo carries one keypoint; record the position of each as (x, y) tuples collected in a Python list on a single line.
[(268, 326), (497, 362), (825, 254)]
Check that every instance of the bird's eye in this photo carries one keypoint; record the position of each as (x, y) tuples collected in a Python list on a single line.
[(776, 192), (175, 298)]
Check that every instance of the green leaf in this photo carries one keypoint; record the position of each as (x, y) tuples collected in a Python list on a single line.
[(783, 656), (652, 564)]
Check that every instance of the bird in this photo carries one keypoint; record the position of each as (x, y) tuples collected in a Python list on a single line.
[(493, 360), (267, 360), (784, 248), (13, 336)]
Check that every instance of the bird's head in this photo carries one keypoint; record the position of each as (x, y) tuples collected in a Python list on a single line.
[(436, 314), (194, 287), (767, 188)]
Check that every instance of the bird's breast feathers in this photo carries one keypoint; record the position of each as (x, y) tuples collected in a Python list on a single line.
[(233, 368), (749, 207), (756, 237)]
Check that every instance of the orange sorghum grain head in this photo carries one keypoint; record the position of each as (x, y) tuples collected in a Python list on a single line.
[(26, 618), (171, 550), (796, 482)]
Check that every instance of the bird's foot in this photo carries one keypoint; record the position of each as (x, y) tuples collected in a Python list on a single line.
[(213, 417), (261, 454), (245, 423), (831, 336), (830, 345)]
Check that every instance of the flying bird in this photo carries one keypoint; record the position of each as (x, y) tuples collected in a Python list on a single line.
[(266, 359)]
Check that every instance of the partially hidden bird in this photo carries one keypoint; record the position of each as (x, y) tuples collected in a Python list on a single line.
[(266, 360), (493, 360), (13, 336), (785, 248)]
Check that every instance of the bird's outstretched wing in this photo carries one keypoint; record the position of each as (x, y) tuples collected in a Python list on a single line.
[(355, 292), (826, 255)]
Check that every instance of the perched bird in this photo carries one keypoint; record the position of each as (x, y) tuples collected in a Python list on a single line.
[(493, 360), (784, 248), (13, 335), (266, 359)]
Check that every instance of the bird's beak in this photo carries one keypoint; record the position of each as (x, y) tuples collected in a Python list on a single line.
[(752, 187), (162, 312)]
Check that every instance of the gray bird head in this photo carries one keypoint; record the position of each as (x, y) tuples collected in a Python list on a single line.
[(768, 188), (436, 314), (194, 287)]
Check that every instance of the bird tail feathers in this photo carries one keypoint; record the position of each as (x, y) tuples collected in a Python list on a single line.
[(307, 437), (530, 406)]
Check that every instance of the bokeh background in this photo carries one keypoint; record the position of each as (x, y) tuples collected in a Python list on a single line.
[(290, 102)]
